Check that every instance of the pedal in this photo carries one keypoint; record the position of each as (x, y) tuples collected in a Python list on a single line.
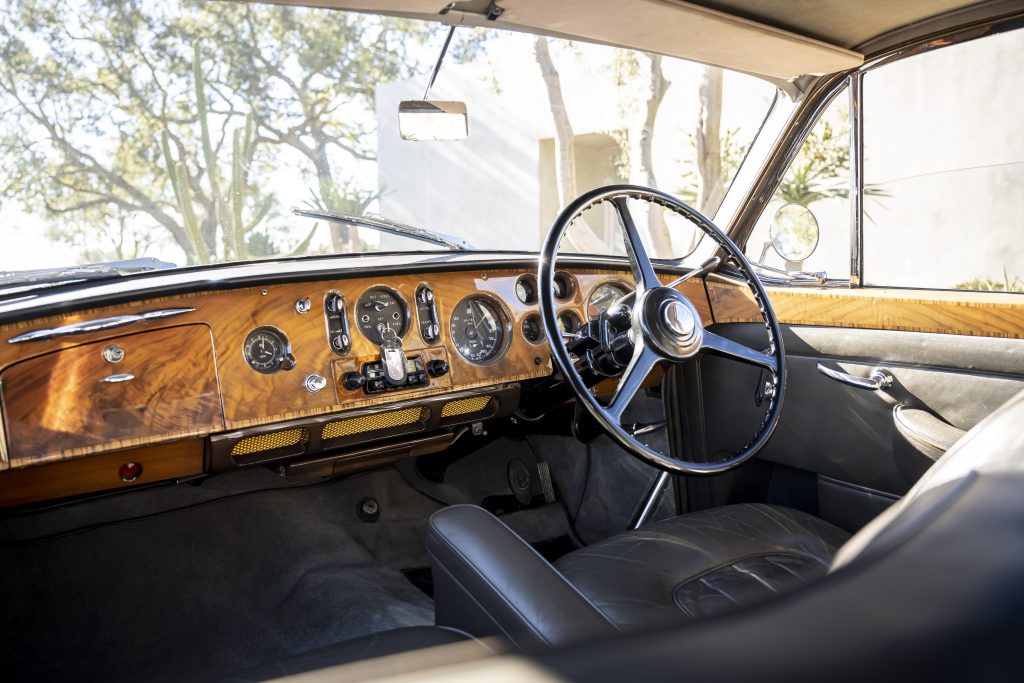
[(520, 481)]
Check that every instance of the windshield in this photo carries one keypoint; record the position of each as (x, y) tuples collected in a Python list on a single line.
[(188, 132)]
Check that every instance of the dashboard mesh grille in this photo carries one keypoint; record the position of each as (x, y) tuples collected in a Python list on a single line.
[(270, 442), (373, 423), (465, 406)]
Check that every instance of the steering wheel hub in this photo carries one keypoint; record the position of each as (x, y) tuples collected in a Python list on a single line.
[(669, 323)]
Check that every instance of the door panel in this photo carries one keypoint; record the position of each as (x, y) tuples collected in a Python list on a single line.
[(848, 434)]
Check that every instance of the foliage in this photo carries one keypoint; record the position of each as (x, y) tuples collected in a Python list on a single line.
[(987, 284), (122, 114), (822, 167), (732, 156)]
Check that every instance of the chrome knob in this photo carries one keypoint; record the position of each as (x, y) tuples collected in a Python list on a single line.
[(315, 383)]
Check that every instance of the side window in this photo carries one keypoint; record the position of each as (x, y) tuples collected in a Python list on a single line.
[(819, 181), (944, 168)]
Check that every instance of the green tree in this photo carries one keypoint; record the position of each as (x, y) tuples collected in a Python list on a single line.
[(109, 116)]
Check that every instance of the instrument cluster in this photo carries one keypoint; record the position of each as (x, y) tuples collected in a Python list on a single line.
[(481, 326)]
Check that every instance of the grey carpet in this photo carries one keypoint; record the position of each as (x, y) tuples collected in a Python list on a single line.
[(226, 583)]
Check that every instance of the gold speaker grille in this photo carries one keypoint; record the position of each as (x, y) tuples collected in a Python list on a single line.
[(373, 423), (465, 406), (270, 441)]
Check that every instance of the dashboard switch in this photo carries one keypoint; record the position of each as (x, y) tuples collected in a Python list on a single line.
[(438, 367), (353, 381)]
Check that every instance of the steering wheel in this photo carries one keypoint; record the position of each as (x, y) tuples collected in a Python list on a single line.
[(655, 324)]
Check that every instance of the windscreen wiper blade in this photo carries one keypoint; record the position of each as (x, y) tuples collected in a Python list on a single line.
[(22, 280), (386, 225)]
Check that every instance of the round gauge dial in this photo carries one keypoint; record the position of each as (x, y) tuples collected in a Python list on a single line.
[(478, 329), (568, 322), (526, 289), (266, 350), (564, 285), (532, 330), (604, 296), (379, 309)]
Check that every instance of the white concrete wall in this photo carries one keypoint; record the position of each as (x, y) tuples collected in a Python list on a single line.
[(484, 188)]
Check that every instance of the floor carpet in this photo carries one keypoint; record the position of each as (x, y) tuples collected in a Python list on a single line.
[(212, 586)]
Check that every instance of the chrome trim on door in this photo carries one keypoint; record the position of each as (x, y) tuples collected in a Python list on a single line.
[(86, 326)]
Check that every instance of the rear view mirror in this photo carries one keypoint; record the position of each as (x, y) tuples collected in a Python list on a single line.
[(432, 120), (794, 232)]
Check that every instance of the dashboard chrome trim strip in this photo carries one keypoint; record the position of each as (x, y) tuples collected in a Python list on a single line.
[(86, 326)]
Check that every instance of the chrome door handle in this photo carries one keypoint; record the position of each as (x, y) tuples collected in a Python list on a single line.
[(878, 379)]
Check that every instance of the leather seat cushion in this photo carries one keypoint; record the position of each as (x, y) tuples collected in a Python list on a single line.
[(367, 647), (702, 563)]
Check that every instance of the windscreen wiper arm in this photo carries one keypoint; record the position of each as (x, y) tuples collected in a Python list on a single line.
[(387, 225)]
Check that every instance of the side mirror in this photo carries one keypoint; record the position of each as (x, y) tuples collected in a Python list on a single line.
[(432, 120), (794, 232)]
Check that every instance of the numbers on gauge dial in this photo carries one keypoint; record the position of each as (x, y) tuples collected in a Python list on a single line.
[(266, 351), (380, 309), (477, 329)]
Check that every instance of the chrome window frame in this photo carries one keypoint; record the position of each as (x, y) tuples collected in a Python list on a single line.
[(816, 99)]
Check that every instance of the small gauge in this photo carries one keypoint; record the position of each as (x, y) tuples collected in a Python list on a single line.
[(532, 330), (526, 289), (266, 350), (604, 296), (478, 329), (379, 309), (569, 322), (564, 285)]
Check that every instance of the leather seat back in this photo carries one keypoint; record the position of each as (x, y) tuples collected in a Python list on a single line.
[(993, 446)]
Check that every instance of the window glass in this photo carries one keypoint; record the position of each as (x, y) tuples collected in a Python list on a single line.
[(818, 179), (944, 168), (188, 132)]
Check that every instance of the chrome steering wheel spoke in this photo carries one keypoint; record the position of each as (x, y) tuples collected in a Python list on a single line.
[(640, 366), (727, 348), (643, 269)]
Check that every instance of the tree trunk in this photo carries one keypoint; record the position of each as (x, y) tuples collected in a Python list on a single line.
[(657, 86), (341, 235), (710, 182), (565, 152), (583, 238)]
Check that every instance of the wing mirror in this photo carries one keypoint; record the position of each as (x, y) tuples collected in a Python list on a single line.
[(794, 233), (432, 120)]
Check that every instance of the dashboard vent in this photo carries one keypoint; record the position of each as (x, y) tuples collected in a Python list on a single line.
[(374, 423), (271, 441), (467, 406)]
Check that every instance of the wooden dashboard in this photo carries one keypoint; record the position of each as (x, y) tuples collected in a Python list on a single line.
[(154, 399), (185, 377)]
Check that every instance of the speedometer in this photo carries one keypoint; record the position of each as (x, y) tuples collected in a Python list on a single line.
[(380, 309), (478, 329), (604, 296)]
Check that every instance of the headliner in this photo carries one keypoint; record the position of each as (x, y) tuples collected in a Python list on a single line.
[(776, 39)]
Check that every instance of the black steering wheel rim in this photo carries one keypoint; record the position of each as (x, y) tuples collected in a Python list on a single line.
[(609, 416)]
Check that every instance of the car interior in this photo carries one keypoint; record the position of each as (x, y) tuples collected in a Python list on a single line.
[(455, 463)]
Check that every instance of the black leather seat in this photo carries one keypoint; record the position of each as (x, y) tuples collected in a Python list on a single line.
[(488, 581), (703, 563)]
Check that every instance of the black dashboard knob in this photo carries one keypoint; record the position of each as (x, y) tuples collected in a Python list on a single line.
[(353, 380), (438, 367)]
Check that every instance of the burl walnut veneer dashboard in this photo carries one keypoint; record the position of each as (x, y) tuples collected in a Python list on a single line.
[(175, 387)]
